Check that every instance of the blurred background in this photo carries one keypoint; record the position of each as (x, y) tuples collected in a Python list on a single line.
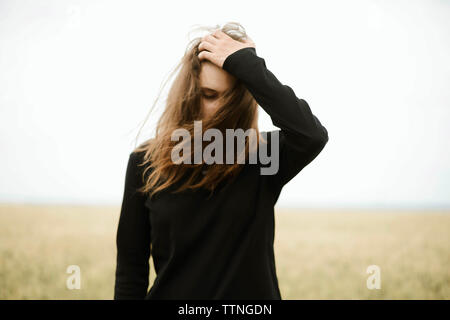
[(78, 78)]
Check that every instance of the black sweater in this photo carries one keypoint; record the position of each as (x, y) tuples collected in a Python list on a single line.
[(219, 247)]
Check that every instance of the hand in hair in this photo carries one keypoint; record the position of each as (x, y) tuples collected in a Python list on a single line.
[(217, 46)]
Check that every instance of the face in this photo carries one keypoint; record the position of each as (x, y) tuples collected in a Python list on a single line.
[(214, 82)]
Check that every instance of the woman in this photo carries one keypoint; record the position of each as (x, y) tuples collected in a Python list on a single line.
[(210, 227)]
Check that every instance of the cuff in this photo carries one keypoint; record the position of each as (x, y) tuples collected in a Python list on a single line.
[(239, 59)]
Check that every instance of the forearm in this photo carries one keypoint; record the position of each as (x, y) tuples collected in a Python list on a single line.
[(131, 277), (287, 112), (301, 136), (133, 239)]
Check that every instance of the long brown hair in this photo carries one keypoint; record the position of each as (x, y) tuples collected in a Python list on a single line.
[(238, 109)]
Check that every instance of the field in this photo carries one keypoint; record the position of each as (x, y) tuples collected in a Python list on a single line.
[(319, 254)]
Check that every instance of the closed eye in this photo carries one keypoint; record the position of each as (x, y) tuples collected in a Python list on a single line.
[(210, 97)]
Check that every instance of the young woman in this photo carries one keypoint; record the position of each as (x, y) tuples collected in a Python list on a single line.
[(210, 227)]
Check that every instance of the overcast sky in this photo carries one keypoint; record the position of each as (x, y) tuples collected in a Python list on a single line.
[(77, 78)]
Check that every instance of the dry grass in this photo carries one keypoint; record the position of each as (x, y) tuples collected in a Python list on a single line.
[(319, 254)]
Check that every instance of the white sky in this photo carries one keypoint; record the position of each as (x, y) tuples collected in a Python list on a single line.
[(77, 78)]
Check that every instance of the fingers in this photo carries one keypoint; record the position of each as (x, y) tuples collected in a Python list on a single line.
[(219, 34), (205, 55), (210, 38), (205, 45)]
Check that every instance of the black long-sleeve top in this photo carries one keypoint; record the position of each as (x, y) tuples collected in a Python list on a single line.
[(219, 247)]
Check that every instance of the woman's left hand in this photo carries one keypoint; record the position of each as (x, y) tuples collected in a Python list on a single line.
[(217, 46)]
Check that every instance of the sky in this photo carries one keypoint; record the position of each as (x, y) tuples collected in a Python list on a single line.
[(78, 78)]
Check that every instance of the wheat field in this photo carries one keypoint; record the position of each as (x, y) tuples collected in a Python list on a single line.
[(320, 254)]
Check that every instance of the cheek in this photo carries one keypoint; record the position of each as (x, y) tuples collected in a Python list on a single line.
[(209, 107)]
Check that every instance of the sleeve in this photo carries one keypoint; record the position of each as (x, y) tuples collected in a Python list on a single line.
[(133, 238), (301, 136)]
